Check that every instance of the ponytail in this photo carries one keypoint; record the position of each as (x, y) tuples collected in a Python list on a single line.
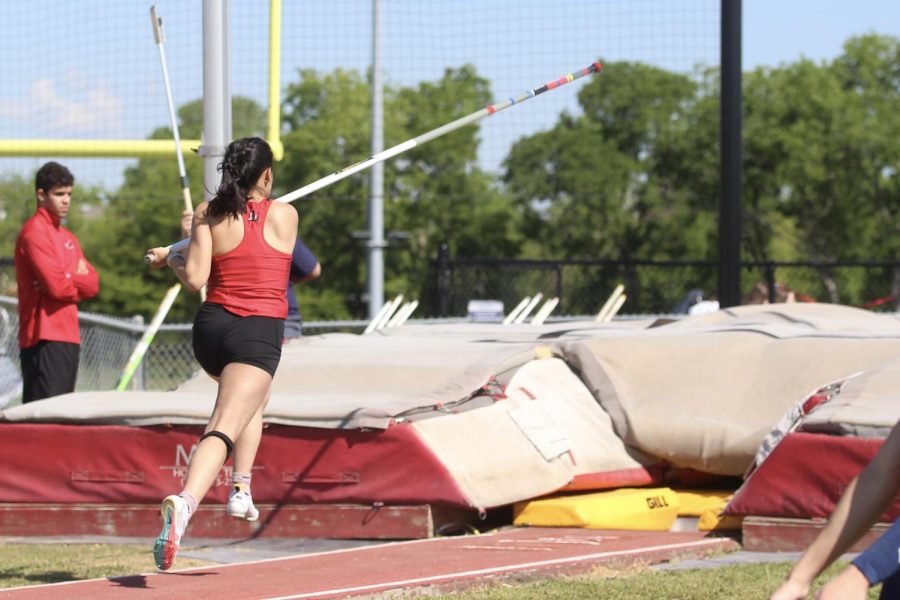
[(244, 162)]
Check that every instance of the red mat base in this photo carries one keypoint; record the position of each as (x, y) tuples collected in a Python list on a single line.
[(336, 521), (114, 464), (763, 534), (805, 476)]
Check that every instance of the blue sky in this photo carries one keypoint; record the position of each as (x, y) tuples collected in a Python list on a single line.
[(89, 68), (778, 31)]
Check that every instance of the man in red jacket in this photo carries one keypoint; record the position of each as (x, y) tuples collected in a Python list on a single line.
[(52, 276)]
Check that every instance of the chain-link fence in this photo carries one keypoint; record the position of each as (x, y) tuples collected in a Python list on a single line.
[(107, 344), (581, 286), (654, 287)]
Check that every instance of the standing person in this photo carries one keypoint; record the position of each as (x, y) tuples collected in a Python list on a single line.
[(52, 276), (240, 248), (304, 267), (862, 503)]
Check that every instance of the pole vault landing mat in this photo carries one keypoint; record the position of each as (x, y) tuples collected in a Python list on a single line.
[(445, 563)]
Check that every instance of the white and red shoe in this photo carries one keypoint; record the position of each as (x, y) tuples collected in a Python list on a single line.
[(175, 520)]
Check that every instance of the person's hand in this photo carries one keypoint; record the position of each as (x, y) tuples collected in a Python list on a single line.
[(81, 269), (156, 257), (790, 590), (850, 584), (186, 217)]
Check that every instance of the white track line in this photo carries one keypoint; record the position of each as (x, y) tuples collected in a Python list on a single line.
[(495, 570)]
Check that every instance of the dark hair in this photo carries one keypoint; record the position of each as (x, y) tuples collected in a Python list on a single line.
[(244, 162), (52, 174)]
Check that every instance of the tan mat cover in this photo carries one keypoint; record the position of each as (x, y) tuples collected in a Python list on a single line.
[(704, 391), (867, 405), (546, 431), (330, 381)]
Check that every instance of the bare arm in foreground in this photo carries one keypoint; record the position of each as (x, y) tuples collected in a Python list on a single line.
[(864, 501)]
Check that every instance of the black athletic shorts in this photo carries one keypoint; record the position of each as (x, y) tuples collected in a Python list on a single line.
[(221, 337), (48, 369)]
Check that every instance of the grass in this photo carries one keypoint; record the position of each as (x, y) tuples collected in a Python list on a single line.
[(23, 564), (739, 582), (31, 564)]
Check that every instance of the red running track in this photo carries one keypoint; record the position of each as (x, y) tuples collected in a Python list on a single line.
[(450, 562)]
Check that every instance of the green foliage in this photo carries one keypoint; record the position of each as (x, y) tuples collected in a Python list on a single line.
[(433, 194), (590, 185), (821, 163), (319, 303), (636, 176), (612, 184), (17, 204), (327, 128)]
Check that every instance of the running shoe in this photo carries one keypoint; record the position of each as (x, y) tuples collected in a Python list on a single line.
[(175, 519), (240, 506)]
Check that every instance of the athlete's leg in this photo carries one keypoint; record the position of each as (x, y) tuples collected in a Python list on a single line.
[(247, 443), (243, 390), (240, 499)]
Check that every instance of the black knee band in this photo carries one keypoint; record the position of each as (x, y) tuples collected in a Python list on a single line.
[(229, 445)]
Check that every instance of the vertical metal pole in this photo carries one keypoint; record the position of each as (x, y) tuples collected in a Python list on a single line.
[(376, 189), (226, 71), (559, 282), (730, 153), (442, 285), (213, 143), (770, 282), (273, 128)]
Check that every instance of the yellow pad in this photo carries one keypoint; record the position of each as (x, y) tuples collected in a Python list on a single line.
[(712, 520), (693, 503), (708, 506), (640, 509)]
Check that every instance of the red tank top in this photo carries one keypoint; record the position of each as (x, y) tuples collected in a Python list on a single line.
[(252, 278)]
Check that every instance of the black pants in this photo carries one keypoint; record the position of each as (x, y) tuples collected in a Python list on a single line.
[(48, 369), (221, 337)]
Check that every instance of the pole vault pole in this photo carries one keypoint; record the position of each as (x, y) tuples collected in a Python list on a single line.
[(487, 111), (160, 39), (144, 344), (436, 133), (140, 350)]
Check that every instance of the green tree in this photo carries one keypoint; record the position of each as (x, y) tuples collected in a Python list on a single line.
[(433, 194), (437, 192), (326, 128), (16, 206), (869, 72), (588, 186), (820, 164)]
